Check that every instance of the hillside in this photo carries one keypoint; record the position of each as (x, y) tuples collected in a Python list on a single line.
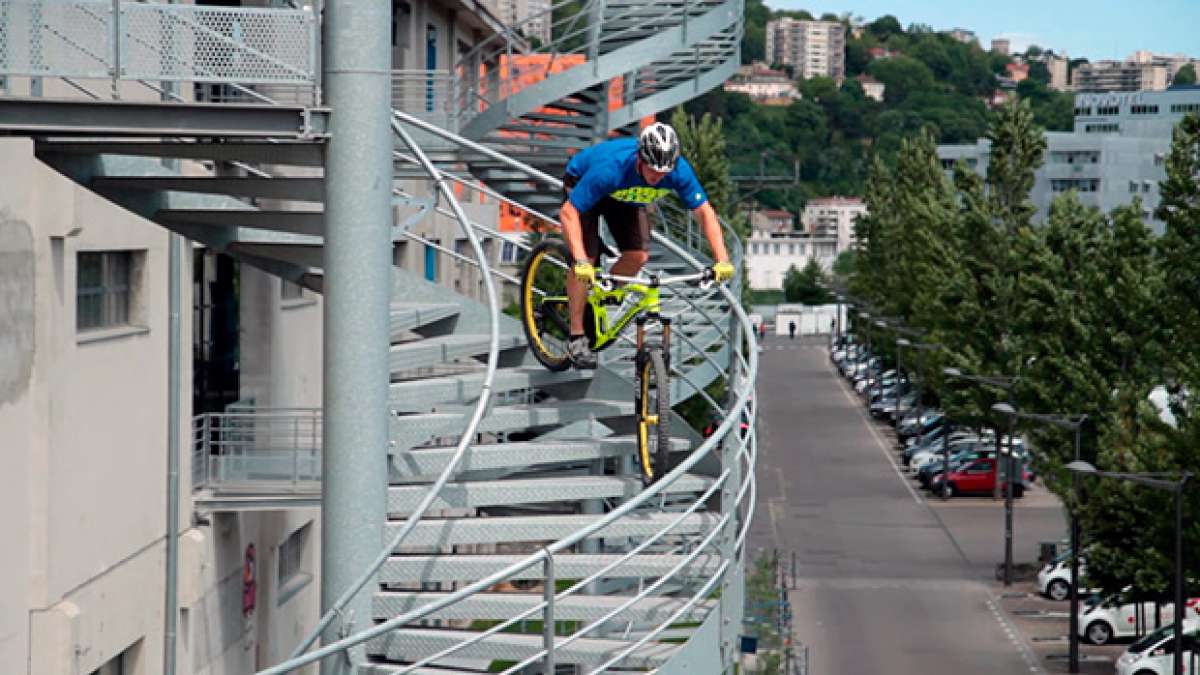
[(931, 81)]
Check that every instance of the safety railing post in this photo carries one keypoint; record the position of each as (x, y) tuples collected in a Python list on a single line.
[(116, 49), (548, 591)]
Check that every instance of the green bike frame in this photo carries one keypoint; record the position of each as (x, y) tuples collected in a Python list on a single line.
[(599, 299)]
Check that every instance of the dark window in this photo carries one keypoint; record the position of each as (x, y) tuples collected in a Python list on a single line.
[(102, 289)]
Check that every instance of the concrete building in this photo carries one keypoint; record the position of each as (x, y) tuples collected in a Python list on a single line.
[(1001, 45), (813, 48), (962, 35), (763, 85), (872, 88), (827, 229), (83, 415), (1116, 152), (1059, 67), (833, 217), (531, 17), (1017, 71), (1101, 76)]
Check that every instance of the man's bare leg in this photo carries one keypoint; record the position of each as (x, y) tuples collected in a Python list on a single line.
[(630, 263)]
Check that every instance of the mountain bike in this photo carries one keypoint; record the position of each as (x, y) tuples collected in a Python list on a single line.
[(546, 317)]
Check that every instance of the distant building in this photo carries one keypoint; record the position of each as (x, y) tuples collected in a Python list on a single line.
[(998, 97), (880, 53), (1172, 62), (770, 255), (772, 220), (1059, 67), (1017, 71), (813, 48), (963, 35), (872, 87), (1001, 46), (833, 217), (532, 15), (1117, 150), (763, 85), (1103, 76)]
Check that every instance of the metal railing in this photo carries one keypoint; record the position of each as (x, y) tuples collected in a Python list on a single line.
[(253, 448), (432, 95), (123, 41), (724, 538)]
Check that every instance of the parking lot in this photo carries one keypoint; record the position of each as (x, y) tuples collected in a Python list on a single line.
[(889, 578)]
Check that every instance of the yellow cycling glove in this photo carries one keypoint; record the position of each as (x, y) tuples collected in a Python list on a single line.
[(723, 271), (585, 273)]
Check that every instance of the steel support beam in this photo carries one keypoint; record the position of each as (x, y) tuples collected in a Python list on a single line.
[(290, 153), (26, 116), (292, 222), (357, 264), (293, 188)]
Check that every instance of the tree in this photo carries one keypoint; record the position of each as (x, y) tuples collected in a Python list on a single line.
[(807, 287), (1185, 76), (702, 142), (902, 76), (885, 26), (1179, 209)]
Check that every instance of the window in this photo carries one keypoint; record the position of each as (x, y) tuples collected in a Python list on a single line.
[(1133, 186), (508, 252), (1108, 110), (1185, 107), (1101, 128), (776, 249), (1083, 112), (104, 289), (290, 570), (290, 291), (1144, 109)]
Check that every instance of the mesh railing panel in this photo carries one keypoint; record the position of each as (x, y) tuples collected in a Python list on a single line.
[(71, 39), (210, 44), (222, 45)]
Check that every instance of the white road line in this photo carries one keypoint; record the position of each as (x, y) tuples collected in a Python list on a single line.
[(878, 439)]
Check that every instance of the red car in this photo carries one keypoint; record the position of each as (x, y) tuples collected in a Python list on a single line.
[(977, 477)]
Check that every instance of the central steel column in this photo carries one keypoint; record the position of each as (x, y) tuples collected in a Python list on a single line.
[(358, 251)]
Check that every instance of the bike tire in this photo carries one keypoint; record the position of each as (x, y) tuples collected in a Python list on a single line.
[(546, 327), (653, 407)]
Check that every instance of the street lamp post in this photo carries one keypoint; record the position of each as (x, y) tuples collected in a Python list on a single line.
[(1073, 423), (1005, 383), (1010, 466), (866, 317), (1175, 487)]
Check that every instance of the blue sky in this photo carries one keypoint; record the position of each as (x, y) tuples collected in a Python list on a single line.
[(1092, 29)]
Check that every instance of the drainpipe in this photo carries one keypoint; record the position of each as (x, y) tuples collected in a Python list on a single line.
[(357, 264), (171, 604)]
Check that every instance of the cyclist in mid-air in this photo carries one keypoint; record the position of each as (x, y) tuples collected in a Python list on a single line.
[(617, 179)]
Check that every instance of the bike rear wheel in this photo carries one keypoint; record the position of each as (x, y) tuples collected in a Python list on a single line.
[(653, 407), (545, 312)]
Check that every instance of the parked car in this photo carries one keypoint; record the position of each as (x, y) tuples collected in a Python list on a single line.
[(1152, 654), (930, 420), (1103, 618), (977, 477), (1054, 579), (959, 441)]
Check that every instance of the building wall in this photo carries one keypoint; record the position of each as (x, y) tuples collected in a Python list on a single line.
[(84, 420), (769, 258), (814, 48)]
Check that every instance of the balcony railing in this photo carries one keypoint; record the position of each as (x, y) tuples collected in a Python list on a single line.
[(278, 449)]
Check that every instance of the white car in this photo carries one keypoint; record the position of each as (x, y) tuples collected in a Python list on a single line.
[(1152, 654), (1103, 618), (1054, 579)]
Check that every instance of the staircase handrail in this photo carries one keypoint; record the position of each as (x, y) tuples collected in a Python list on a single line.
[(468, 433), (738, 410)]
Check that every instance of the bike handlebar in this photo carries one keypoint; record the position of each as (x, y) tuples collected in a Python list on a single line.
[(704, 279)]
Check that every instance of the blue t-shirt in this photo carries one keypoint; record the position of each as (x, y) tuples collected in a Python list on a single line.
[(609, 169)]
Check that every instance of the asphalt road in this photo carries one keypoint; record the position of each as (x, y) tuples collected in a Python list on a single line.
[(886, 582)]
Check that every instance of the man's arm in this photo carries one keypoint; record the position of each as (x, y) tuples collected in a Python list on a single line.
[(573, 231), (711, 228)]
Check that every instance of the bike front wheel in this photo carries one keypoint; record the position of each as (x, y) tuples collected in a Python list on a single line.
[(545, 311), (653, 406)]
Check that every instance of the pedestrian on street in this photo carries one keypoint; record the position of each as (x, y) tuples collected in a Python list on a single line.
[(792, 330), (762, 331)]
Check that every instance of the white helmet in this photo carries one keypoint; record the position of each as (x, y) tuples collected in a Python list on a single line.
[(658, 147)]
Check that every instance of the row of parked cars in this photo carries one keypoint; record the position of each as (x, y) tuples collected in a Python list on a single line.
[(950, 461), (946, 459)]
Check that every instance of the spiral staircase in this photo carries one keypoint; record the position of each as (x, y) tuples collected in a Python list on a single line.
[(519, 537)]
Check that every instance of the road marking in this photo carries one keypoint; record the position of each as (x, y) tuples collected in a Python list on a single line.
[(1014, 637), (878, 439)]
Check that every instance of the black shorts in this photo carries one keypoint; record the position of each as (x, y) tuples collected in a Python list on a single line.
[(627, 223)]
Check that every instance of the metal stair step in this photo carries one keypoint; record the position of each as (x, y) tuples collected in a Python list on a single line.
[(499, 606), (426, 464), (413, 643), (421, 427), (465, 567), (403, 499), (397, 669), (430, 351), (494, 530), (422, 394), (409, 316)]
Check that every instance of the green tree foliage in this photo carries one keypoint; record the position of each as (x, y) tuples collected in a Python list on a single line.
[(1185, 76), (807, 286), (1179, 209)]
